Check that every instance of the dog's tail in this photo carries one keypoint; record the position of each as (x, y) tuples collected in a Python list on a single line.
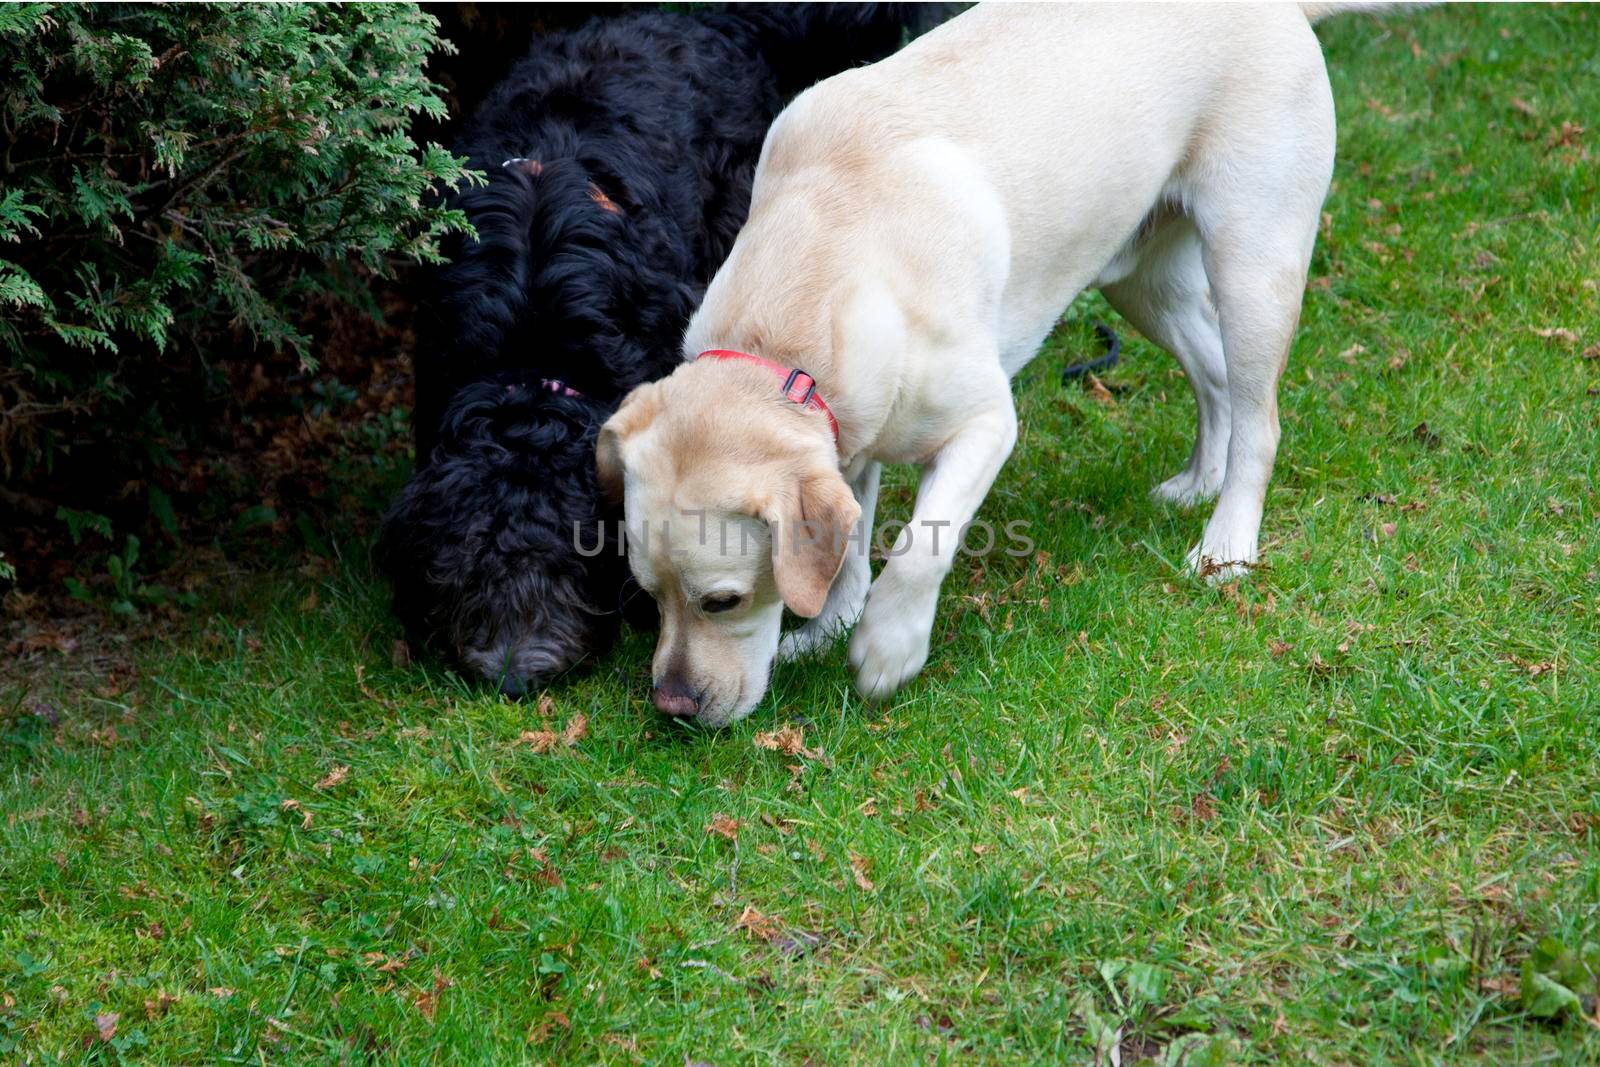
[(1316, 12), (804, 43)]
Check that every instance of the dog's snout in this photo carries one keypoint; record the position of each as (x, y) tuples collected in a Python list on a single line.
[(672, 697), (517, 687)]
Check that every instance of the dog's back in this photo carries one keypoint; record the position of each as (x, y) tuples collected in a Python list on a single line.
[(1051, 130)]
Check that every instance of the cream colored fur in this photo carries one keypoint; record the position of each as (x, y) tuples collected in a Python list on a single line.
[(917, 228)]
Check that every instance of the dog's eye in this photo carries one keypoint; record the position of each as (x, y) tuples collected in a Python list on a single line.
[(720, 602)]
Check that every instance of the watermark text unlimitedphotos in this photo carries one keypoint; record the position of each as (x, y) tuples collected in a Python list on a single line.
[(742, 537)]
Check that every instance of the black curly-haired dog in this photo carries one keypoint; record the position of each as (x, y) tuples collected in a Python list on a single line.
[(619, 159)]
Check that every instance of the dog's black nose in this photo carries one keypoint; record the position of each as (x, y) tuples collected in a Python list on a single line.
[(672, 697), (515, 687)]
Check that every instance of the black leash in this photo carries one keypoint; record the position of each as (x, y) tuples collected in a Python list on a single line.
[(1113, 350)]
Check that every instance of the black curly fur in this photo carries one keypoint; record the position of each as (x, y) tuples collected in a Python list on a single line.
[(642, 133)]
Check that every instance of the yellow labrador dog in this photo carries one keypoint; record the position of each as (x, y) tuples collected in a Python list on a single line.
[(917, 228)]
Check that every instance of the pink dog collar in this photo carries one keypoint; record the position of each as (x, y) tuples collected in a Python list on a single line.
[(558, 387), (798, 386)]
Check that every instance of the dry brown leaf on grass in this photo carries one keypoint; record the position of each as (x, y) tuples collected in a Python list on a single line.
[(361, 684), (426, 1001), (388, 964), (1557, 333), (760, 927), (1505, 985), (546, 874), (859, 865), (1422, 435), (626, 1042), (789, 740), (157, 1006), (1097, 390), (1570, 133), (338, 774), (1381, 108), (723, 826), (1534, 668), (50, 640), (294, 805), (106, 1025), (542, 741)]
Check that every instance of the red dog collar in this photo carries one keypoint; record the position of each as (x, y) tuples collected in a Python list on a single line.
[(798, 386)]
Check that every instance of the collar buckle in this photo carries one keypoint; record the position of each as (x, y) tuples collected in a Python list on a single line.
[(798, 386), (799, 379)]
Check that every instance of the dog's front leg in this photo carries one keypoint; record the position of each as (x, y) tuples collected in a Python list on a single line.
[(849, 589), (890, 645)]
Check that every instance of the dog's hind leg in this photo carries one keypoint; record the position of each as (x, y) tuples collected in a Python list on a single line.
[(848, 592), (1168, 299), (1257, 218)]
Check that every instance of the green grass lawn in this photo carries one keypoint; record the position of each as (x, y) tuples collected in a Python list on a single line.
[(1345, 811)]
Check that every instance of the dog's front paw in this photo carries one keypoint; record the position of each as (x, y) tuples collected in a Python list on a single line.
[(885, 658), (1218, 564), (888, 649)]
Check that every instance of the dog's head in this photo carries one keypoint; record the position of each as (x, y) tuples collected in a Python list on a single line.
[(735, 508), (501, 550)]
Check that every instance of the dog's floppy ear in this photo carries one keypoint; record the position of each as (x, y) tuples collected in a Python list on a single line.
[(637, 411), (811, 528)]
